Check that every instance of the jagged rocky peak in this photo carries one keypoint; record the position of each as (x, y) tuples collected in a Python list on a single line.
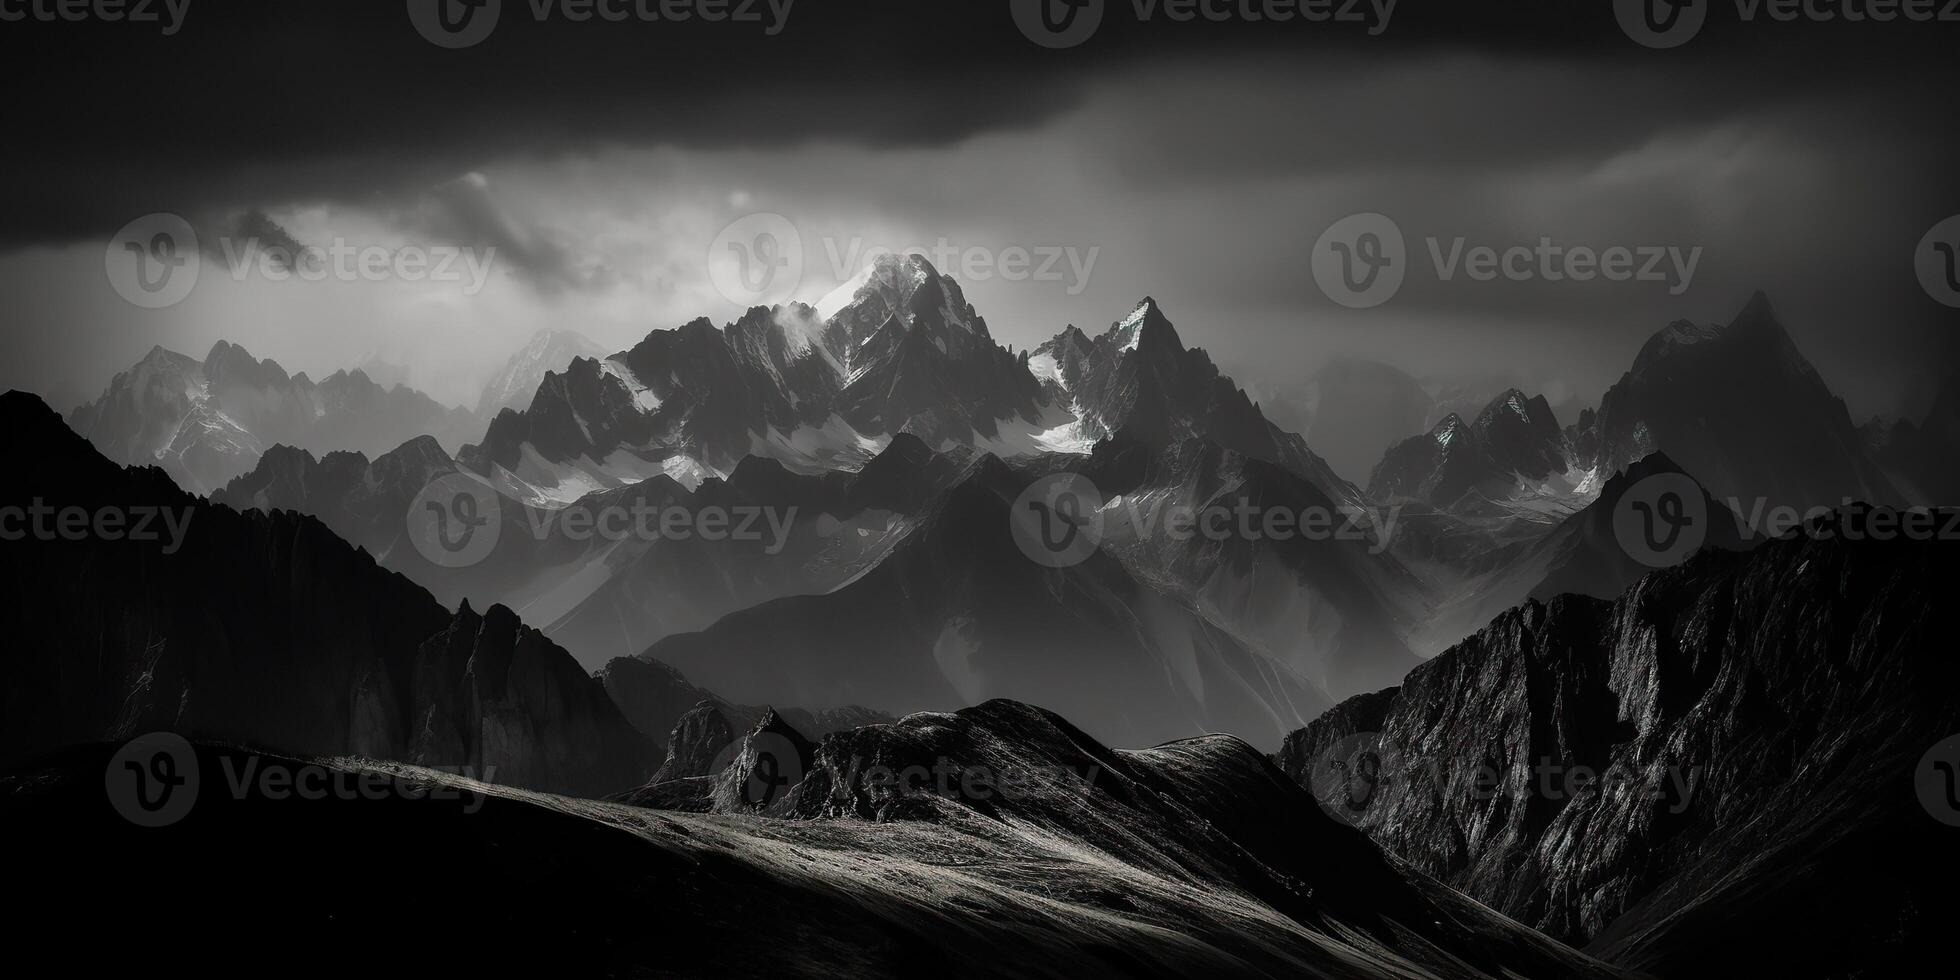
[(1516, 437), (548, 350), (1740, 407), (767, 762), (1146, 329), (697, 739), (231, 364)]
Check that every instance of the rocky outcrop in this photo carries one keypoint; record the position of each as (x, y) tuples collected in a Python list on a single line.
[(1640, 773)]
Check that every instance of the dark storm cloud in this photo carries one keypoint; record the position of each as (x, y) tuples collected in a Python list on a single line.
[(345, 101)]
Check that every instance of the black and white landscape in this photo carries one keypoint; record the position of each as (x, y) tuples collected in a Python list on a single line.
[(1051, 488)]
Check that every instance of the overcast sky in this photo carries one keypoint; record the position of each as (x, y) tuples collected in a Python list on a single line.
[(1194, 162)]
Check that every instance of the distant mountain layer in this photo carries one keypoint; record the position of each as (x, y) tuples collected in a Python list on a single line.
[(517, 383), (1741, 408), (1513, 441), (956, 614), (208, 422), (1194, 859), (1712, 775)]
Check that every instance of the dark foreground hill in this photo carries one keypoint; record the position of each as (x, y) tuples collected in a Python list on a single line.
[(1194, 859)]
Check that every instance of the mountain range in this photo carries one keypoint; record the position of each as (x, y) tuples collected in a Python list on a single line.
[(208, 422)]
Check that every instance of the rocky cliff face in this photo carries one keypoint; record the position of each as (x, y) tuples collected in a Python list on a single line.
[(1720, 752), (266, 629)]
